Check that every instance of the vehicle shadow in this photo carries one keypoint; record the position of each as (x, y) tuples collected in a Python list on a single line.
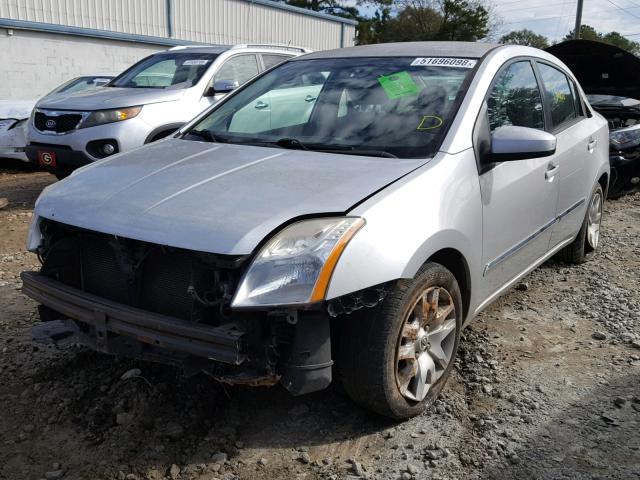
[(21, 183), (210, 416), (593, 439)]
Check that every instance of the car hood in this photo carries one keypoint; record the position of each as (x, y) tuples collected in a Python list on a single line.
[(108, 97), (600, 68), (217, 198), (18, 109)]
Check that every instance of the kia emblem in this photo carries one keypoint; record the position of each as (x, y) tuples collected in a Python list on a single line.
[(51, 124)]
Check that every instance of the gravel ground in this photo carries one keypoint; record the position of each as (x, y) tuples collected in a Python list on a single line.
[(547, 386)]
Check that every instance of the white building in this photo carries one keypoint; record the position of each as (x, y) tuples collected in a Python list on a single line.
[(45, 42)]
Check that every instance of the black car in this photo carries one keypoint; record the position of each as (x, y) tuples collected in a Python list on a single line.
[(609, 77)]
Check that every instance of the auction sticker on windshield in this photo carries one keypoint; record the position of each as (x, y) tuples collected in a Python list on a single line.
[(195, 61), (398, 85), (444, 62)]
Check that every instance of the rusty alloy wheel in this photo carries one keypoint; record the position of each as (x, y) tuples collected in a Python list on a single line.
[(426, 343)]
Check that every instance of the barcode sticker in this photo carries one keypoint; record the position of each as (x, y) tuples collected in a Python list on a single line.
[(196, 61), (444, 62)]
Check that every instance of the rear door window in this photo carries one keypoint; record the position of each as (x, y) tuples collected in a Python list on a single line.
[(560, 95), (271, 60), (515, 98), (238, 69)]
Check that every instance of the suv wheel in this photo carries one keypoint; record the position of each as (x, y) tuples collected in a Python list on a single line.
[(588, 239), (396, 358)]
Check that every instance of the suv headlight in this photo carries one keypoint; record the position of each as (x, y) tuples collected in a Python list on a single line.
[(295, 266), (100, 117)]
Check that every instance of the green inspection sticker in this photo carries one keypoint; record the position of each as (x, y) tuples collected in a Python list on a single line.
[(398, 85)]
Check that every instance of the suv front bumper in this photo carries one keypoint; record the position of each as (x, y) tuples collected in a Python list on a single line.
[(66, 159)]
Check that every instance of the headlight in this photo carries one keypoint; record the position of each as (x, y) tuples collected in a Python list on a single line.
[(625, 137), (295, 266), (109, 116), (34, 238), (7, 124)]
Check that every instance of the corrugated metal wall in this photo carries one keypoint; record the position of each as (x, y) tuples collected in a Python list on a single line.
[(141, 17), (239, 21), (208, 21)]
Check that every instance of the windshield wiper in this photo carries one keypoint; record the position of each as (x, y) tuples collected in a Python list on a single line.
[(296, 144), (292, 143), (206, 135), (364, 153)]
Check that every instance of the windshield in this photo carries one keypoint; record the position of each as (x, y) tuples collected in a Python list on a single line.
[(613, 101), (395, 107), (80, 84), (167, 70)]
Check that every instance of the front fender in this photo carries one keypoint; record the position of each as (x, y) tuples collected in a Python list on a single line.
[(436, 207)]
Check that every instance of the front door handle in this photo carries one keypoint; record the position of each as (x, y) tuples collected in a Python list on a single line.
[(260, 105), (552, 169), (309, 98)]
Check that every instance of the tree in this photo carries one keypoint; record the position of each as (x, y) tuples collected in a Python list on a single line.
[(587, 32), (420, 20), (331, 7), (463, 20), (525, 37), (612, 38)]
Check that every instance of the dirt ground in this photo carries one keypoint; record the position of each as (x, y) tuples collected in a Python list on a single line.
[(547, 386)]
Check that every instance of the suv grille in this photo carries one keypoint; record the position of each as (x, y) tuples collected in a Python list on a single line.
[(56, 123)]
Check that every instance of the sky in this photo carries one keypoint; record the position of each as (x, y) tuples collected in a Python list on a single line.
[(554, 19)]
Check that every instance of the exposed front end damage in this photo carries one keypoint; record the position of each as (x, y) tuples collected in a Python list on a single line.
[(130, 298), (624, 149)]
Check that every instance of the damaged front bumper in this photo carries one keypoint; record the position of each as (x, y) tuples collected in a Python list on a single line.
[(233, 352), (625, 173)]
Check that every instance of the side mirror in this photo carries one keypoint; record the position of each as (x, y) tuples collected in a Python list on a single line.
[(221, 86), (520, 143)]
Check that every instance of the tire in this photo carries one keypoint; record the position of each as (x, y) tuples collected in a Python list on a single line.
[(373, 341), (584, 246)]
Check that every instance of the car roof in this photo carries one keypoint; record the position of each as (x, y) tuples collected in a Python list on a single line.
[(408, 49), (213, 49)]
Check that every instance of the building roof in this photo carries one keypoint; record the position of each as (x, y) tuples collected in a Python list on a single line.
[(409, 49)]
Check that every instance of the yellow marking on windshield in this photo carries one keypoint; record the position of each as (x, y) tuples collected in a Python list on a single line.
[(430, 122)]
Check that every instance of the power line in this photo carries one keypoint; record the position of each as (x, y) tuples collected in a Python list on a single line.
[(525, 8), (539, 19), (628, 10)]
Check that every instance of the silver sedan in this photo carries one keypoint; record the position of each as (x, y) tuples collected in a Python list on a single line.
[(348, 211)]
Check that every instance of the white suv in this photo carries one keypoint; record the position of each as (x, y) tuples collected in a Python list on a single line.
[(146, 102)]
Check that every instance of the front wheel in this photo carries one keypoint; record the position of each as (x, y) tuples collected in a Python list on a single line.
[(396, 358), (588, 239)]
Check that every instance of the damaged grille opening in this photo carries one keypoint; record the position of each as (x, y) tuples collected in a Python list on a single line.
[(192, 286)]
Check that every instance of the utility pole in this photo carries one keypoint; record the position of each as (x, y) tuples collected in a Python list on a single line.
[(576, 31)]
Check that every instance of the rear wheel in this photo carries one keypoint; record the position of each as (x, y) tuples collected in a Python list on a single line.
[(588, 239), (396, 358)]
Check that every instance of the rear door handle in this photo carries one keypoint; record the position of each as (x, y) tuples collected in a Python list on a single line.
[(309, 98), (260, 105), (592, 144), (552, 169)]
